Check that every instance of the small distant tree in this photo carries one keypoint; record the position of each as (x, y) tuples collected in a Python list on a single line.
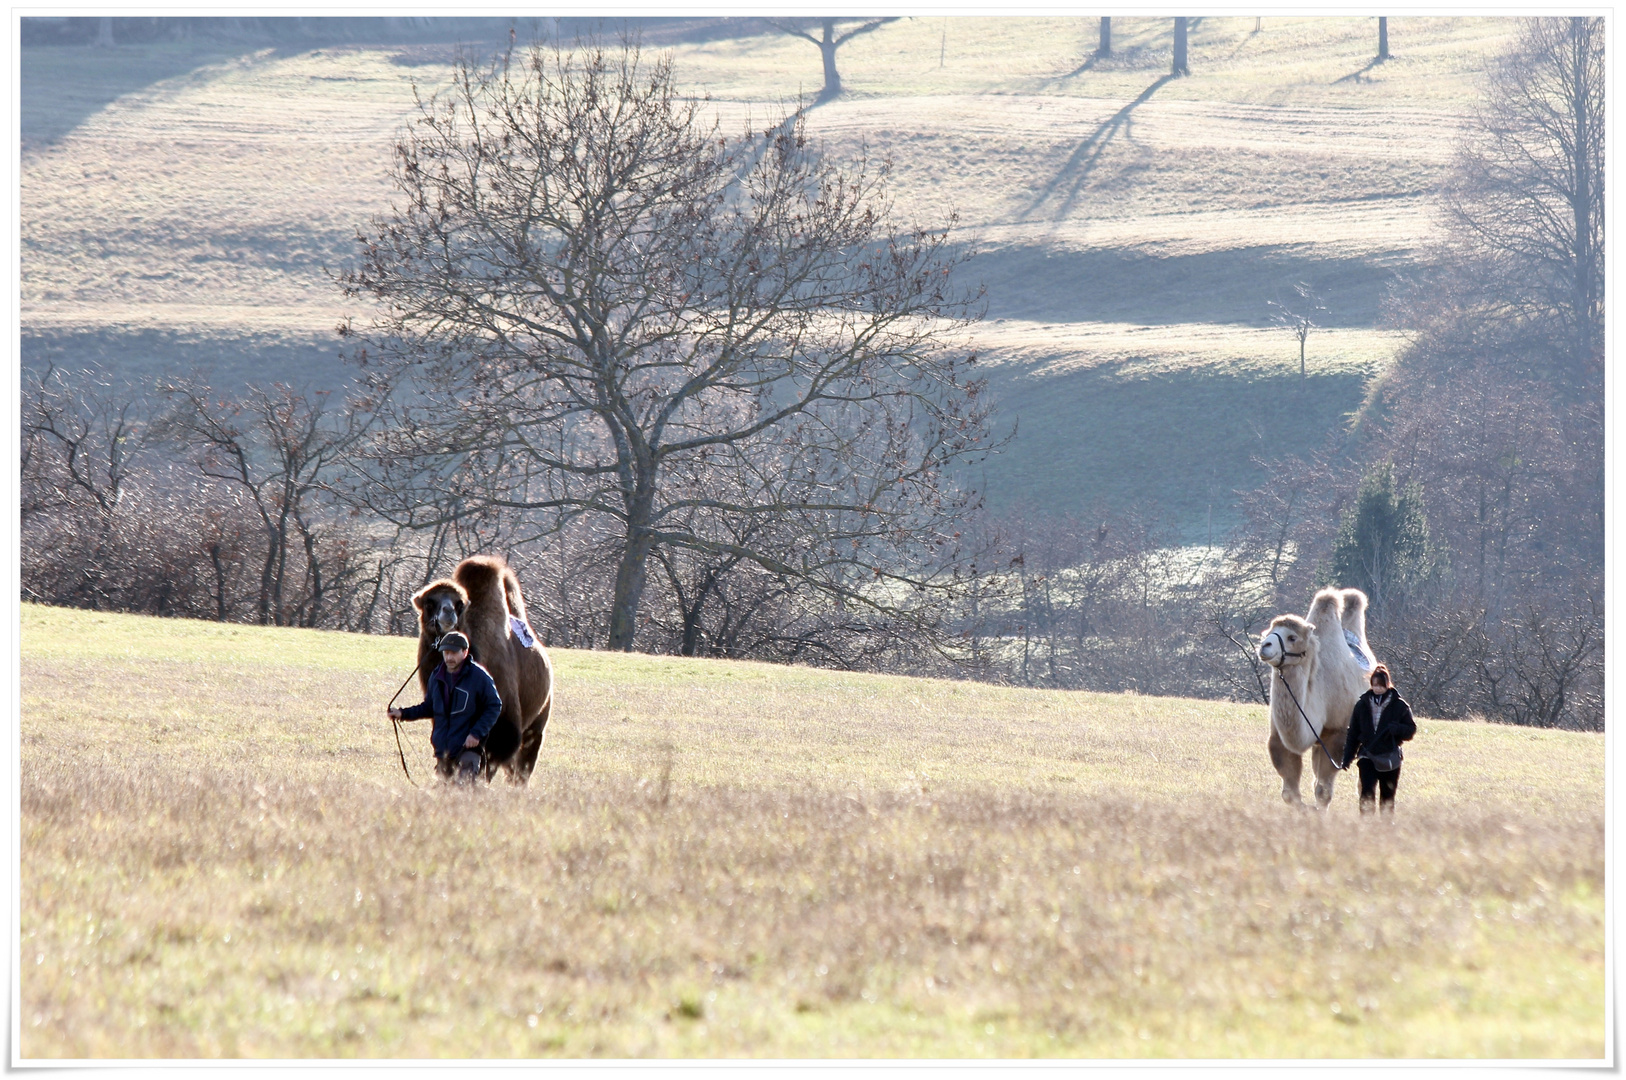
[(1299, 316), (831, 40), (1383, 545)]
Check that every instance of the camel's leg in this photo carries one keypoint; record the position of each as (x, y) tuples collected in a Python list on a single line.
[(1325, 771), (503, 741), (530, 745), (1290, 766)]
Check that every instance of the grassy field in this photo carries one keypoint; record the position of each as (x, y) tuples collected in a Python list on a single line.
[(220, 857), (180, 206)]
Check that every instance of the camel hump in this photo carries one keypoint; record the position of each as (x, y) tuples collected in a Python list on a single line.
[(1326, 608), (482, 578), (1355, 628)]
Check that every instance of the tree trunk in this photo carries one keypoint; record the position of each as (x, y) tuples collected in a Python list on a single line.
[(104, 33), (264, 611), (629, 588), (1383, 38), (1105, 48), (313, 573), (282, 570), (827, 49), (691, 617), (1585, 289), (631, 574), (220, 582), (1180, 67)]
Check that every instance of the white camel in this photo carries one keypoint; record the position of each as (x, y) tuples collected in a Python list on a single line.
[(1319, 669)]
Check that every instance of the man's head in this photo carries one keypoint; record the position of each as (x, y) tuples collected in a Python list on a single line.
[(454, 649), (1380, 679)]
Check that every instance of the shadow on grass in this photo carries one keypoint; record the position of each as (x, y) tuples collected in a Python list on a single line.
[(1358, 75), (1128, 285), (65, 85), (229, 362), (1076, 172), (1171, 446)]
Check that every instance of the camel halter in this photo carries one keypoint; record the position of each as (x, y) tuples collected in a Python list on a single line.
[(1288, 687), (1277, 634)]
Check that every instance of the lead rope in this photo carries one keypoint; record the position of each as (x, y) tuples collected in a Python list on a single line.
[(397, 725), (1311, 726)]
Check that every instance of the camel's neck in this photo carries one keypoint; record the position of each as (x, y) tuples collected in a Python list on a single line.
[(1296, 678)]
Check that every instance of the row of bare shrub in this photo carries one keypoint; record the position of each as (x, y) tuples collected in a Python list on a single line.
[(187, 504), (183, 502), (1073, 608)]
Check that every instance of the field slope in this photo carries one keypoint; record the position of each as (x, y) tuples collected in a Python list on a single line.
[(220, 856), (181, 207)]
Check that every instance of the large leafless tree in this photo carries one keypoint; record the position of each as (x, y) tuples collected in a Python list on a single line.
[(1528, 191), (594, 303)]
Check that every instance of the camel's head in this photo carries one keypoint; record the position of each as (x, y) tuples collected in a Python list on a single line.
[(440, 604), (1286, 641)]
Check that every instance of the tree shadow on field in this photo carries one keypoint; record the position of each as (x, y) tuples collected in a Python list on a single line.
[(1076, 172), (1154, 289), (62, 86), (1175, 444), (231, 362), (1358, 75)]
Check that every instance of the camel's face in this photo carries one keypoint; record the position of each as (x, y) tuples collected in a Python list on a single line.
[(1286, 642), (439, 610)]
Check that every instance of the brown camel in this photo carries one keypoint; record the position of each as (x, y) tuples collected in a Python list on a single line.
[(483, 600)]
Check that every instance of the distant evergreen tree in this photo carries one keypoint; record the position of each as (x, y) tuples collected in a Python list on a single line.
[(1383, 546)]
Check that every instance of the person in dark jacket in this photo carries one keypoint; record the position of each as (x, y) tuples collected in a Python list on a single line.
[(465, 704), (1380, 722)]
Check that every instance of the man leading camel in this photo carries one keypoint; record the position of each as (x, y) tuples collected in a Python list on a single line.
[(465, 704)]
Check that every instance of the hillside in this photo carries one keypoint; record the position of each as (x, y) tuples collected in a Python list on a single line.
[(181, 204), (220, 857)]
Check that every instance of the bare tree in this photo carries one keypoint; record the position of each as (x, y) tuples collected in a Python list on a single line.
[(277, 446), (1104, 48), (1299, 316), (1527, 196), (1179, 66), (82, 437), (829, 41), (591, 304)]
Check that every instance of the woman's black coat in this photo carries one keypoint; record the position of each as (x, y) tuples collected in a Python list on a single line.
[(1394, 727)]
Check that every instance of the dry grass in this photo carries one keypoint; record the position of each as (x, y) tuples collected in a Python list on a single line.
[(220, 857)]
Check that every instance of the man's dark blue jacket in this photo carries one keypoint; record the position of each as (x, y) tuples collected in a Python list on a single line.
[(463, 704)]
